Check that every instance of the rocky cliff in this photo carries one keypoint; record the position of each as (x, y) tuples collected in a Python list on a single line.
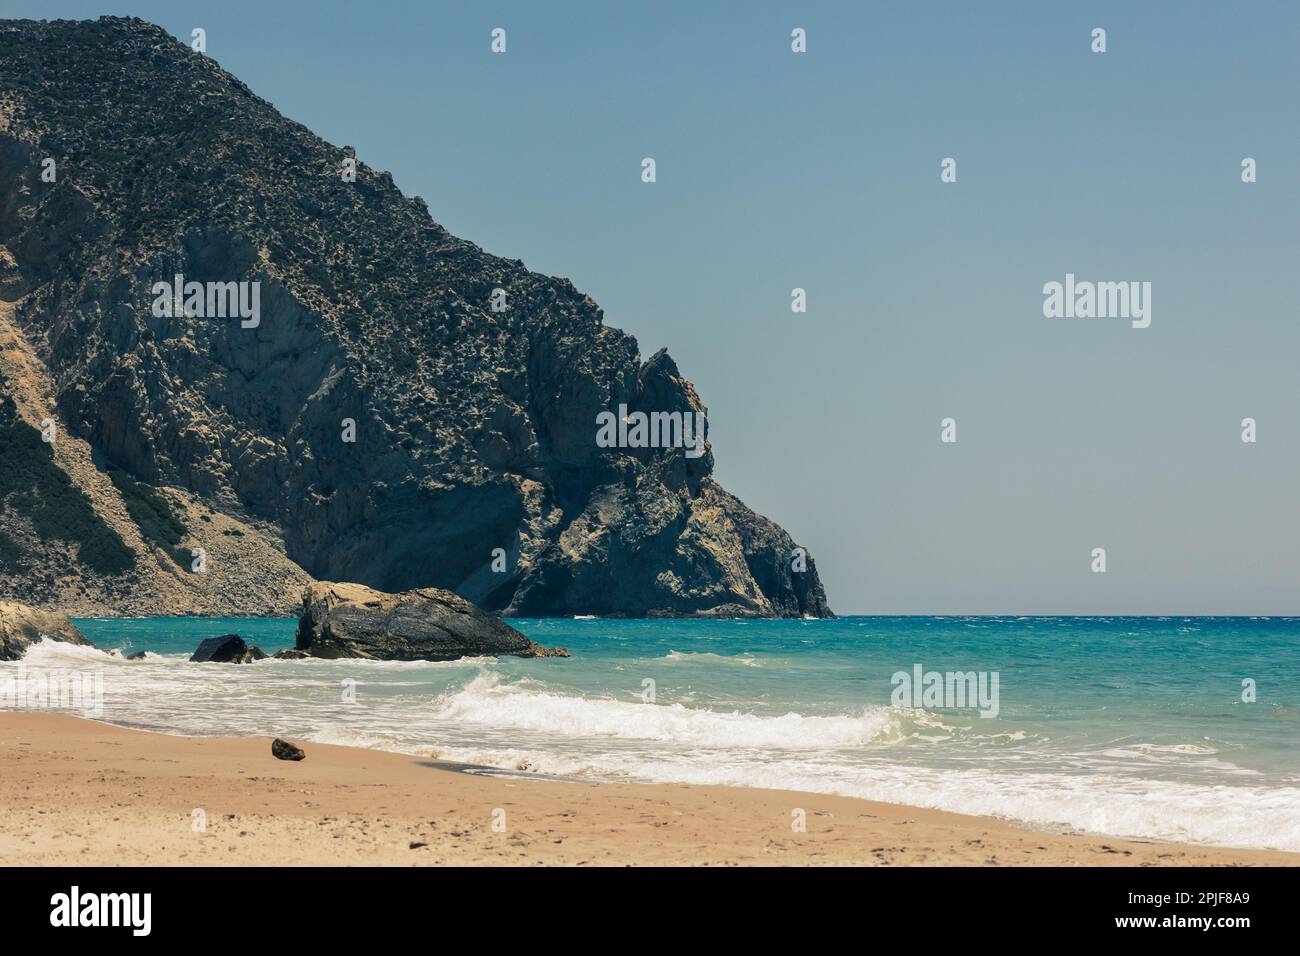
[(403, 411), (22, 626)]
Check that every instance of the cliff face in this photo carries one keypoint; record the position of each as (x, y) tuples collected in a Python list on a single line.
[(473, 429)]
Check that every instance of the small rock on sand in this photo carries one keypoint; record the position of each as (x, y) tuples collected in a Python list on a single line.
[(283, 750)]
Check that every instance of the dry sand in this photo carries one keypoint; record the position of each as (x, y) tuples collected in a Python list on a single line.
[(80, 792)]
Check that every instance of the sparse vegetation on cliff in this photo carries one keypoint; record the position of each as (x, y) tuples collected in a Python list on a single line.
[(152, 515), (11, 555), (34, 488)]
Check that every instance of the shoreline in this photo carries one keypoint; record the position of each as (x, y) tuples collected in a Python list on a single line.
[(87, 793)]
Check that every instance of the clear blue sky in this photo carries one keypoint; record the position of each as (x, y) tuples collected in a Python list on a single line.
[(777, 170)]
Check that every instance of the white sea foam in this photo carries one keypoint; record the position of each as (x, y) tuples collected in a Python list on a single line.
[(705, 657), (1097, 803), (487, 701), (47, 653), (1160, 751)]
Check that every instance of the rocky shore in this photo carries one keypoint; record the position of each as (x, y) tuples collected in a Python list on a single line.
[(21, 626), (428, 624)]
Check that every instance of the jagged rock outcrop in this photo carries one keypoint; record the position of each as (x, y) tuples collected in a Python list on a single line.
[(227, 649), (21, 626), (427, 624), (380, 413)]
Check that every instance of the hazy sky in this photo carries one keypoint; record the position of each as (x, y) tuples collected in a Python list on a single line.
[(821, 171)]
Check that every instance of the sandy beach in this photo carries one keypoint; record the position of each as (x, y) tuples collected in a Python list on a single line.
[(80, 792)]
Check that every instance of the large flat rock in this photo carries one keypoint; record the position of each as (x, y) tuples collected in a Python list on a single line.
[(426, 624)]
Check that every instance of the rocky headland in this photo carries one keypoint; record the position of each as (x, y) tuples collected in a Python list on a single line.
[(407, 411)]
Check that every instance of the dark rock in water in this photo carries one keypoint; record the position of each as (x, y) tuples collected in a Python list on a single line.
[(289, 654), (283, 750), (227, 649), (21, 626), (475, 429), (137, 656), (427, 624)]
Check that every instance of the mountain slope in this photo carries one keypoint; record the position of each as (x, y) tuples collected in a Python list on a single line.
[(473, 429), (89, 541)]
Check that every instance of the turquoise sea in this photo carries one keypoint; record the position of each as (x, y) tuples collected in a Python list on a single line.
[(1121, 726)]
